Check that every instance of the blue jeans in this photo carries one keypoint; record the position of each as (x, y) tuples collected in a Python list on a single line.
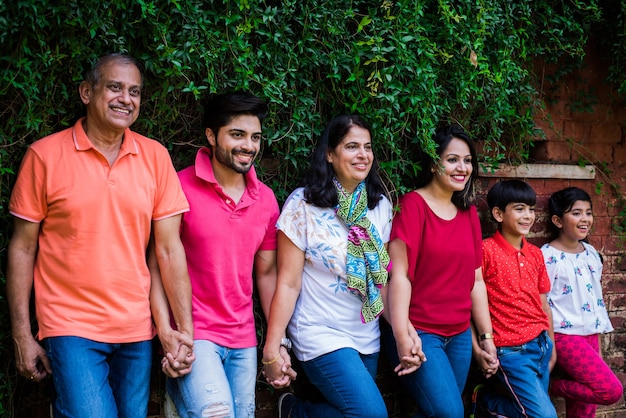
[(221, 383), (525, 373), (346, 378), (99, 380), (438, 384)]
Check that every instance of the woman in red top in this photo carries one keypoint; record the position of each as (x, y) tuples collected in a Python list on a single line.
[(436, 281)]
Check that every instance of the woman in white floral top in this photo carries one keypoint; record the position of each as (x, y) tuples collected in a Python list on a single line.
[(332, 275)]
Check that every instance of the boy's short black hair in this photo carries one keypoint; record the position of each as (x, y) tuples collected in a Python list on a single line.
[(510, 191)]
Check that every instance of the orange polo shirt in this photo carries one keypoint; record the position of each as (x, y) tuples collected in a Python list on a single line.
[(91, 279)]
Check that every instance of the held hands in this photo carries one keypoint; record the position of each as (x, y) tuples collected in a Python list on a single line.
[(178, 349), (31, 359), (552, 362), (277, 370), (487, 358), (410, 353)]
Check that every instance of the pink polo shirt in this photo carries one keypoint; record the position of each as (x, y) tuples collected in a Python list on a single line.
[(515, 279), (221, 239), (91, 279)]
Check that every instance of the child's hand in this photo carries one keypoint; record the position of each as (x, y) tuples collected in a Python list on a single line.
[(552, 362), (487, 363)]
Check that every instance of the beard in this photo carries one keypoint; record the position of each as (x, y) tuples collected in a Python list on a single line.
[(228, 159)]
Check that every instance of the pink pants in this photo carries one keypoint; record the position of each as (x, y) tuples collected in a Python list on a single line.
[(587, 380)]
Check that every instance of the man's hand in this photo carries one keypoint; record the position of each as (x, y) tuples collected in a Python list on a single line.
[(31, 359), (178, 349)]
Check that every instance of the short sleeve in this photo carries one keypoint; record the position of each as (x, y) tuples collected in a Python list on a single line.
[(170, 199), (269, 241), (292, 220), (28, 199)]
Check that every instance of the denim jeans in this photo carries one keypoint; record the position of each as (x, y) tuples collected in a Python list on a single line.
[(438, 384), (525, 373), (99, 380), (221, 383), (346, 378)]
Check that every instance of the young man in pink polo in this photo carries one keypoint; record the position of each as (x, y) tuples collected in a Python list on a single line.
[(229, 236)]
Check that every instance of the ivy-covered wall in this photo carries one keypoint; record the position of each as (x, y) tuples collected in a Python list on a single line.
[(404, 64)]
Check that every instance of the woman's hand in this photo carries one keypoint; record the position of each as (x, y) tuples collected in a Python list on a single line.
[(487, 358), (277, 370), (410, 353)]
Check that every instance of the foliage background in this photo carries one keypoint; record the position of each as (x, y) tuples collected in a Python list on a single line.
[(404, 64)]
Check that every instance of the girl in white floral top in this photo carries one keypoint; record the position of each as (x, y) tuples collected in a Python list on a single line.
[(578, 308)]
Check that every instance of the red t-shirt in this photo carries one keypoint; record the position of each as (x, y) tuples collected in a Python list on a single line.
[(443, 256), (515, 279)]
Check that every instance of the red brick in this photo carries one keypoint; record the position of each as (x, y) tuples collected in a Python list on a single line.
[(551, 127), (600, 204), (606, 133), (619, 154), (594, 152), (600, 113), (577, 131), (601, 225), (557, 151)]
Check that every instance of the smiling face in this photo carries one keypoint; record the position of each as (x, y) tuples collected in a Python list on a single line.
[(352, 158), (237, 143), (515, 220), (575, 223), (455, 166), (113, 102)]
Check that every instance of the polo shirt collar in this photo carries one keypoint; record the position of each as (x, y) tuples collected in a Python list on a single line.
[(507, 247), (204, 170), (82, 142)]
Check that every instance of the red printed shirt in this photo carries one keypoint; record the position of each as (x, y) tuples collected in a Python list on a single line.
[(515, 279)]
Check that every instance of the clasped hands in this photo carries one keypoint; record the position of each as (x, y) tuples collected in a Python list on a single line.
[(178, 353), (410, 353), (487, 358), (277, 370)]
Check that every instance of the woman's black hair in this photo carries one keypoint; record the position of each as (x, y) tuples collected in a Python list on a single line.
[(562, 201), (319, 189), (444, 134)]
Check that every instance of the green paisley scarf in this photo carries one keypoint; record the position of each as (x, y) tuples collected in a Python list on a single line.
[(367, 260)]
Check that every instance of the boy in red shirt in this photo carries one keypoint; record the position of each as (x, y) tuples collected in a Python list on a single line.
[(517, 283)]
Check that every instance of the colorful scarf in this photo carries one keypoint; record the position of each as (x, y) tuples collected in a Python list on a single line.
[(367, 261)]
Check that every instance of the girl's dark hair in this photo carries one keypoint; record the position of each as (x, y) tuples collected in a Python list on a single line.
[(562, 201), (444, 134), (510, 191), (220, 109), (319, 189)]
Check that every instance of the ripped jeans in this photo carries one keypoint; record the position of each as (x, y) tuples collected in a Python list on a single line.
[(221, 383)]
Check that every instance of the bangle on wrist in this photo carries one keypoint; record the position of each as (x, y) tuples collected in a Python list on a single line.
[(486, 336), (267, 363)]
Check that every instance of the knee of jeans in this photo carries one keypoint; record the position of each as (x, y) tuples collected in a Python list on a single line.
[(217, 410)]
